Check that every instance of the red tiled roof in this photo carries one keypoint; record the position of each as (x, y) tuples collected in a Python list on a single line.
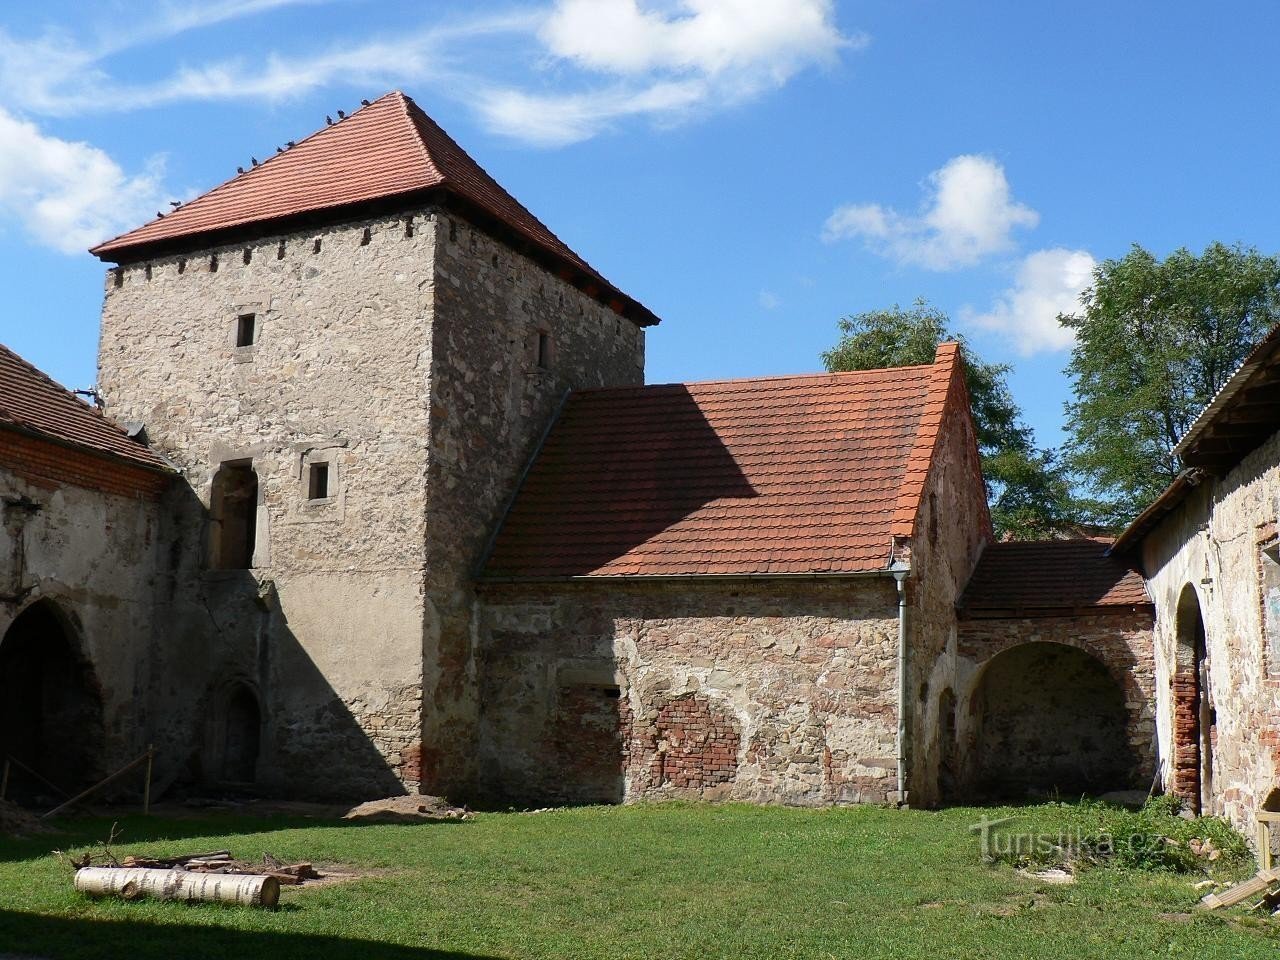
[(1025, 576), (31, 402), (786, 475), (388, 149)]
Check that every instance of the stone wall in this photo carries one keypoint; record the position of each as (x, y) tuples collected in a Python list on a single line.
[(87, 558), (1053, 737), (402, 352), (326, 628), (951, 530), (495, 390), (771, 691), (1211, 555)]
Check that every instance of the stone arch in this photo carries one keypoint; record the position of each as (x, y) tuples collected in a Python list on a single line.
[(1194, 721), (51, 717), (1048, 718)]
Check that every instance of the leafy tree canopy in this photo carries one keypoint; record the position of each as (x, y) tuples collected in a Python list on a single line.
[(1155, 340), (1029, 491)]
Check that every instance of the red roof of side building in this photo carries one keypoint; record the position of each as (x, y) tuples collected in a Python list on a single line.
[(387, 150), (34, 404), (785, 475), (1023, 578)]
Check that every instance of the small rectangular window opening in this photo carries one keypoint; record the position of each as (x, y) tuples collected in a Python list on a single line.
[(544, 350), (246, 330), (318, 482)]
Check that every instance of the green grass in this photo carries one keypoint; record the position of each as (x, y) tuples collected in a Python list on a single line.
[(651, 881)]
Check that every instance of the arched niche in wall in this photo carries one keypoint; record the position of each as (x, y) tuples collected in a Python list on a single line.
[(50, 705)]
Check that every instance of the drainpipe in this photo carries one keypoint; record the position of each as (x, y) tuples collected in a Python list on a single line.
[(901, 569)]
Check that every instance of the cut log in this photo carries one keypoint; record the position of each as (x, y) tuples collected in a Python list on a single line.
[(133, 883)]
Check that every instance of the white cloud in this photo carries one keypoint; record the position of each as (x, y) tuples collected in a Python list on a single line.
[(663, 62), (968, 214), (770, 300), (1049, 282), (773, 37), (599, 62), (69, 195)]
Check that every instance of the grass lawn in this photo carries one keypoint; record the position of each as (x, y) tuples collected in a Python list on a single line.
[(646, 881)]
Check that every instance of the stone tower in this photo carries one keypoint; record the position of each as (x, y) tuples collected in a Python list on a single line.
[(350, 352)]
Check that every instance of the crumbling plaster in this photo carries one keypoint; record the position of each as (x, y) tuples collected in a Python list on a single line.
[(1212, 543), (93, 556)]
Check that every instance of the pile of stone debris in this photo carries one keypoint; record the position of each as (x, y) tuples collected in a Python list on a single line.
[(16, 822), (407, 809)]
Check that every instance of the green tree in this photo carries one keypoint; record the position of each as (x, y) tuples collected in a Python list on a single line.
[(1029, 491), (1155, 340)]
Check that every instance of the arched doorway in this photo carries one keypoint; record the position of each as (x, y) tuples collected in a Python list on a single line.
[(50, 705), (1194, 719), (241, 736), (1049, 719)]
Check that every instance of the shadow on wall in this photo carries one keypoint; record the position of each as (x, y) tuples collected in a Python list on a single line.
[(643, 466), (1049, 719), (51, 716), (74, 939), (239, 705)]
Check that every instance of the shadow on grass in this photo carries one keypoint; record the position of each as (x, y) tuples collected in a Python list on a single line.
[(137, 829), (64, 938)]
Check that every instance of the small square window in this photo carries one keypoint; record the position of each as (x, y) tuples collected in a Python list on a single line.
[(544, 350), (318, 482), (246, 330)]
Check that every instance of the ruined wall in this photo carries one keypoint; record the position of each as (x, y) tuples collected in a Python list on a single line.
[(771, 691), (1214, 545), (91, 554), (326, 629), (1121, 643), (951, 530), (495, 389)]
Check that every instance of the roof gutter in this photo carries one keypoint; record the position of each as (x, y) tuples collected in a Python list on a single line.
[(687, 577), (1145, 522)]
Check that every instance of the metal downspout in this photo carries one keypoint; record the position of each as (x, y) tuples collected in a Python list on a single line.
[(901, 570)]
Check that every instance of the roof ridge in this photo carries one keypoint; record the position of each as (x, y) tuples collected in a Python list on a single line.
[(771, 378), (928, 434)]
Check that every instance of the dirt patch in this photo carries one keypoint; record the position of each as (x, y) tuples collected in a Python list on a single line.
[(410, 809), (16, 822)]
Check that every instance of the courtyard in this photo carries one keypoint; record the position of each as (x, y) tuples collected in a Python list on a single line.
[(648, 880)]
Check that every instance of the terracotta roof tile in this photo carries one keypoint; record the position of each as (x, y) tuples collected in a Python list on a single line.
[(798, 474), (32, 402), (1051, 575), (387, 149)]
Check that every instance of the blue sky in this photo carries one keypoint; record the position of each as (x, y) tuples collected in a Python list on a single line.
[(750, 169)]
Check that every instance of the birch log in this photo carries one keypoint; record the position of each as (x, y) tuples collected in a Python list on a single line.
[(131, 883)]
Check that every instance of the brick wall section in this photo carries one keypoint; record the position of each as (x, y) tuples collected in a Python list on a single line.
[(802, 672), (1122, 641), (691, 745), (1185, 777), (52, 464)]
